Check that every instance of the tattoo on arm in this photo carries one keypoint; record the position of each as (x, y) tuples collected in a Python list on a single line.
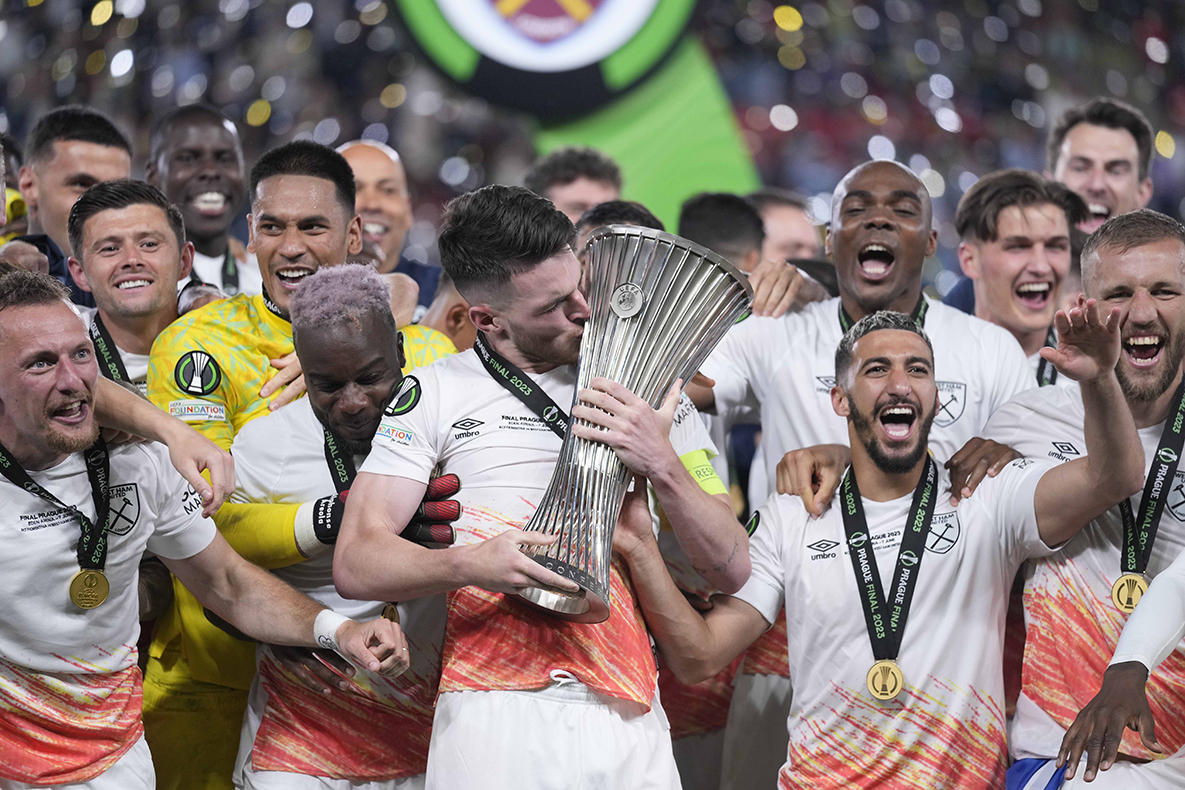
[(736, 544)]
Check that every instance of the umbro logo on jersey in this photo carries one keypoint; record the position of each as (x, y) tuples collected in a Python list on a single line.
[(197, 373), (467, 428), (1065, 448), (827, 381), (822, 545), (944, 532), (952, 399), (124, 511)]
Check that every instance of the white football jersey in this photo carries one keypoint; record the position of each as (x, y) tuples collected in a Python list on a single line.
[(209, 270), (135, 364)]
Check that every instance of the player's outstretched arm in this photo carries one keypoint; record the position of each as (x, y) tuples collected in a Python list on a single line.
[(267, 609), (190, 452), (372, 562), (695, 646), (1070, 495), (705, 525)]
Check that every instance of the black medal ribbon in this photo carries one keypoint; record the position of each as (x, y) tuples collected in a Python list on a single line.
[(522, 386), (341, 465), (1046, 372), (92, 544), (1140, 533), (918, 315), (111, 363), (885, 617)]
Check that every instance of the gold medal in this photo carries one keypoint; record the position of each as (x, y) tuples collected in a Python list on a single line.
[(885, 680), (391, 612), (89, 588), (1128, 591)]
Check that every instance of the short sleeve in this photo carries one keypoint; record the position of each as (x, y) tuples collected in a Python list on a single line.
[(766, 589), (1004, 424), (733, 366), (688, 432), (186, 379), (1012, 371), (180, 531), (1010, 498), (407, 443)]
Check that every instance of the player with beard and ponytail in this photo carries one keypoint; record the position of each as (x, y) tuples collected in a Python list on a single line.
[(894, 597), (1077, 601)]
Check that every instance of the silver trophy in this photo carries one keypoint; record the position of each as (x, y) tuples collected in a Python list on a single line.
[(659, 305)]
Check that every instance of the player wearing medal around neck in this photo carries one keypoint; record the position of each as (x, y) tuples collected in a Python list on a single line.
[(1076, 601), (197, 162), (783, 369), (208, 368), (129, 252), (78, 517), (1015, 231), (370, 729), (527, 700), (896, 648)]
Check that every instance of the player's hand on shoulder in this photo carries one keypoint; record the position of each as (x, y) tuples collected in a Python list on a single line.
[(639, 434), (289, 379), (813, 474), (320, 670), (1088, 341), (977, 459), (1098, 729), (377, 645), (499, 564), (775, 287)]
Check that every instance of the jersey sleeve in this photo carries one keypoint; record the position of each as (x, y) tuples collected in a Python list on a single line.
[(1011, 500), (1157, 625), (766, 589), (1005, 423), (186, 379), (1010, 370), (734, 365), (408, 442), (695, 447), (180, 531)]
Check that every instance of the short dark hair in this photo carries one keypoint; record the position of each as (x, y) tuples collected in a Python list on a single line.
[(873, 322), (726, 224), (23, 288), (618, 212), (1110, 113), (767, 197), (74, 122), (121, 193), (1127, 232), (306, 158), (490, 234), (978, 213), (565, 165), (12, 148), (162, 125)]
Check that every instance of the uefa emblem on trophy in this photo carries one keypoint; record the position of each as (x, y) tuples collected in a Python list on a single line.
[(659, 305)]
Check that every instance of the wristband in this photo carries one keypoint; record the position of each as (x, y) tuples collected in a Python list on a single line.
[(305, 533), (325, 629)]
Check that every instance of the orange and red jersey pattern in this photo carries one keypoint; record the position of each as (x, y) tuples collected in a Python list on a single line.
[(769, 654), (698, 709), (1072, 634), (854, 741), (492, 643), (377, 730), (60, 728)]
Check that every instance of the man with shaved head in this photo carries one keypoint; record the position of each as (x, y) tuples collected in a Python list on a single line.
[(880, 234), (383, 203)]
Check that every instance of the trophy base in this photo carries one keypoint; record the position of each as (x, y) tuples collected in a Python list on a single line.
[(586, 606)]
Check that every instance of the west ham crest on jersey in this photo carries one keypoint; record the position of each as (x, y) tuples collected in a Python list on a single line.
[(944, 532), (125, 509), (952, 399)]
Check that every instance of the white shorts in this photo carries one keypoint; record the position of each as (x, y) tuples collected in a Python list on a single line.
[(756, 738), (698, 758), (282, 780), (563, 737), (1167, 774), (133, 771)]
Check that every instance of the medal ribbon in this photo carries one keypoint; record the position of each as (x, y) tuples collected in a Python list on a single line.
[(92, 544), (521, 386), (1046, 372), (886, 618), (341, 465), (918, 315), (1139, 534), (112, 363)]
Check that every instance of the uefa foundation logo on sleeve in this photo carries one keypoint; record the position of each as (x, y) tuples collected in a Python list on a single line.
[(552, 58)]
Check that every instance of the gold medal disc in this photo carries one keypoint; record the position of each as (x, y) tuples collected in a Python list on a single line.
[(89, 588), (391, 612), (885, 680), (1128, 591)]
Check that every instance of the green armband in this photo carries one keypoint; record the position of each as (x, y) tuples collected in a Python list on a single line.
[(699, 465)]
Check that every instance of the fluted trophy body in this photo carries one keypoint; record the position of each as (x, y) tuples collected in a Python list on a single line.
[(659, 304)]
